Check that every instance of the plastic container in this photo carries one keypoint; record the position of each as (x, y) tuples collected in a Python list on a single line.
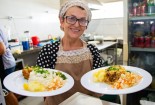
[(135, 8), (151, 10), (26, 45), (35, 40), (26, 40), (147, 41), (153, 42), (151, 7)]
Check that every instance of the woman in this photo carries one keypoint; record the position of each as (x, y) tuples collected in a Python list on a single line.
[(71, 54), (8, 66)]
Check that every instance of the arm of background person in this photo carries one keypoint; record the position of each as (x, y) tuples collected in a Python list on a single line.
[(2, 48)]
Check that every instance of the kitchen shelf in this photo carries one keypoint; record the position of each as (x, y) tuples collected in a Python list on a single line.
[(142, 49), (142, 18), (141, 26)]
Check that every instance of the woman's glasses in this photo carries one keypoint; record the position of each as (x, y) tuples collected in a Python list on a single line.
[(73, 20)]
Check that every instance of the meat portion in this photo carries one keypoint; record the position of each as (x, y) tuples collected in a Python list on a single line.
[(113, 73), (26, 72), (112, 76)]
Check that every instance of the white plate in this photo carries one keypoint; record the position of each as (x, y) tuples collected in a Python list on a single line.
[(104, 88), (14, 82)]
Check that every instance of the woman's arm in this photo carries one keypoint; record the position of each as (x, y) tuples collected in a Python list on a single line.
[(2, 48)]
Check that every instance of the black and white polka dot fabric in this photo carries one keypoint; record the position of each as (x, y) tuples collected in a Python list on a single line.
[(97, 60), (48, 54)]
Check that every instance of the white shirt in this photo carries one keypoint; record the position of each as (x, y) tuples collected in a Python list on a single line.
[(8, 59)]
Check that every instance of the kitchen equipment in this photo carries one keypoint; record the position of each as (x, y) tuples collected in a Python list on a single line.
[(35, 40), (26, 45), (99, 38)]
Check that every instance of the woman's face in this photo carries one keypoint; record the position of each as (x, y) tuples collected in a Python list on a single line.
[(73, 30)]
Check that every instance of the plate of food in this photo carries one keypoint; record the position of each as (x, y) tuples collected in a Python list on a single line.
[(116, 79), (38, 82)]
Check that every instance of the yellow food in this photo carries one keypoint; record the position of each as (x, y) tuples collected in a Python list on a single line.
[(99, 76), (34, 86), (26, 86), (117, 77), (39, 79)]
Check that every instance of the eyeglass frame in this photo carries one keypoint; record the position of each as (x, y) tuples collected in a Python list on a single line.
[(66, 17)]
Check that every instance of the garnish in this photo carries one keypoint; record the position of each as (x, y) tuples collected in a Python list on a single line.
[(61, 75)]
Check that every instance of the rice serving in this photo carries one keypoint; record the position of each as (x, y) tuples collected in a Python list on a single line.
[(44, 80)]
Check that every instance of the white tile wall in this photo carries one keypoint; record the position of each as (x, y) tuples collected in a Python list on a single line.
[(45, 20), (112, 27)]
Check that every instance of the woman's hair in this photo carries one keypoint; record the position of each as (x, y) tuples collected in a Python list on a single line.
[(71, 3)]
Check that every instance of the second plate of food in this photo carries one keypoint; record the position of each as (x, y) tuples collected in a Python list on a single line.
[(116, 79)]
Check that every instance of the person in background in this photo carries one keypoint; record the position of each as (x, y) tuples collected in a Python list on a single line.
[(9, 67), (71, 54)]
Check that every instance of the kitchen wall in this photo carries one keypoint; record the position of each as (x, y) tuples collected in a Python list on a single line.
[(108, 27), (40, 17), (108, 21)]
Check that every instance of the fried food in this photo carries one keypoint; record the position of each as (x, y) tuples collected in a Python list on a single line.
[(113, 73), (26, 72)]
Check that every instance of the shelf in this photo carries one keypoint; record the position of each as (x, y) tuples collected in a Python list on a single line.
[(142, 49), (27, 52), (143, 18), (140, 56)]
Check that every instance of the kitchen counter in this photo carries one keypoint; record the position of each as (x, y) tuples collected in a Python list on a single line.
[(29, 56), (27, 52)]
